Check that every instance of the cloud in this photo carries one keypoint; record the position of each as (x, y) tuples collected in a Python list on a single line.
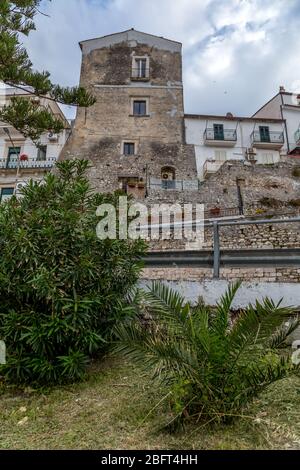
[(236, 52)]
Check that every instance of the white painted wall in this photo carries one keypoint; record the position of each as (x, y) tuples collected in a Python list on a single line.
[(292, 116), (212, 290), (195, 128)]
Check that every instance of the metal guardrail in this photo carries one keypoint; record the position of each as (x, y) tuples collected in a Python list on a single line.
[(176, 185), (228, 258), (217, 257)]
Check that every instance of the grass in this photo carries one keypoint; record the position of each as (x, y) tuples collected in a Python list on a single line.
[(110, 410)]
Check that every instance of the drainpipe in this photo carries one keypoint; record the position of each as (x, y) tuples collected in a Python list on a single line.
[(240, 196), (285, 125)]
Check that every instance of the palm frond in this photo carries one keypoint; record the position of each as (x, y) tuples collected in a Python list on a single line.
[(252, 330), (222, 318), (169, 308), (278, 339), (222, 365), (155, 352)]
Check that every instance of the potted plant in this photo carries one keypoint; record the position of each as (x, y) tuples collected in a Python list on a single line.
[(215, 211), (23, 157)]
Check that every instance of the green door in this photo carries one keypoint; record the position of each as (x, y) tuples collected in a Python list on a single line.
[(264, 133), (218, 132)]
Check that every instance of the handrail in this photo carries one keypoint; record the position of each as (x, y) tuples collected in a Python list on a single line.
[(227, 134), (274, 137)]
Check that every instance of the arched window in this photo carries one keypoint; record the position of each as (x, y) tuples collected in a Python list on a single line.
[(168, 173), (168, 176)]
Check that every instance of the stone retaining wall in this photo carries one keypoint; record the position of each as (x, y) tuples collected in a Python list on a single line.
[(267, 274)]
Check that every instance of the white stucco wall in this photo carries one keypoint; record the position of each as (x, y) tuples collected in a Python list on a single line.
[(292, 116), (195, 128), (212, 290)]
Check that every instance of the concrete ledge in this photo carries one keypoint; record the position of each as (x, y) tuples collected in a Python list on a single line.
[(249, 292)]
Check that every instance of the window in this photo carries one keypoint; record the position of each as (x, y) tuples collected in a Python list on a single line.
[(218, 132), (6, 193), (264, 133), (129, 148), (42, 152), (13, 155), (140, 68), (220, 155), (139, 108)]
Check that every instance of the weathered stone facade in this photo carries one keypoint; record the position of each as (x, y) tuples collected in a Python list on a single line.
[(100, 132), (265, 187), (157, 135)]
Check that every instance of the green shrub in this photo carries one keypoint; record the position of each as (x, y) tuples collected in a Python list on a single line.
[(212, 367), (270, 202), (61, 288), (296, 172), (294, 202)]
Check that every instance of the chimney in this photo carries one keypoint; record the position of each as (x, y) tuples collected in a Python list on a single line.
[(281, 89)]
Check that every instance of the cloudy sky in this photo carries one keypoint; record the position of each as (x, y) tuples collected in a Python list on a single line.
[(236, 53)]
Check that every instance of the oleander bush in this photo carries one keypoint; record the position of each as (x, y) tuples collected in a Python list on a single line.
[(61, 288), (212, 366)]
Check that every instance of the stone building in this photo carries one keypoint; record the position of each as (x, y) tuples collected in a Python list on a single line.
[(134, 136)]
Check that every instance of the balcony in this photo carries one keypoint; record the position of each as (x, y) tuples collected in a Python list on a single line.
[(211, 166), (140, 74), (30, 164), (226, 138), (271, 140)]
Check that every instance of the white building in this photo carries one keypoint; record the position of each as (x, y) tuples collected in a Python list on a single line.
[(285, 106), (220, 138), (20, 159)]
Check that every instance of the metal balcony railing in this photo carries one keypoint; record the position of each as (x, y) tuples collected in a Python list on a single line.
[(138, 73), (177, 185), (212, 166), (271, 137), (31, 163), (228, 135), (297, 137)]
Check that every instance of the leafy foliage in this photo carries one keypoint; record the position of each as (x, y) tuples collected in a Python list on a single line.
[(17, 19), (61, 288), (213, 366)]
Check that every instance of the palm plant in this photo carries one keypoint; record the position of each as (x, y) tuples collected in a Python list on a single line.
[(212, 366)]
